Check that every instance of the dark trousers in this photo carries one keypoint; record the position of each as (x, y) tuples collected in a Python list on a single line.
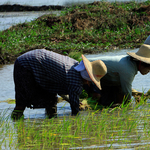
[(28, 93)]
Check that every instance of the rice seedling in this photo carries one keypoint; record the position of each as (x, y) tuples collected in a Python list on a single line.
[(109, 128)]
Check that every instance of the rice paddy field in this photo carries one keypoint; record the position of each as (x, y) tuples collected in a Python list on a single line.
[(122, 127), (97, 27)]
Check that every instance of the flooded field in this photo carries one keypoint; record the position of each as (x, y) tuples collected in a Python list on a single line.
[(121, 128), (125, 128)]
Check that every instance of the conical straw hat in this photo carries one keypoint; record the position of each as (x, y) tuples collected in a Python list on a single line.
[(96, 70), (143, 54)]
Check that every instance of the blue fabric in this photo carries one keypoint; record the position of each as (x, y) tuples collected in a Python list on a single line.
[(81, 68)]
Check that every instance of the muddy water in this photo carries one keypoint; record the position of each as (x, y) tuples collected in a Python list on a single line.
[(141, 83)]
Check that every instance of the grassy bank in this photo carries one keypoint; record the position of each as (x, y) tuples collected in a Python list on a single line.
[(90, 28), (125, 127)]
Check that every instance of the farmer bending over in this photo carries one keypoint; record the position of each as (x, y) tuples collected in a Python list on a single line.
[(39, 75), (121, 70)]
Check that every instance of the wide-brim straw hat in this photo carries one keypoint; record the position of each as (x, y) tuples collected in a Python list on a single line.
[(96, 70), (143, 54)]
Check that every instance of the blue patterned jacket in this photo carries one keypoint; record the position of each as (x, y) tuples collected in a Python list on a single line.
[(55, 73)]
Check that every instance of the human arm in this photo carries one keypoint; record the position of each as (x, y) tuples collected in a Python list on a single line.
[(74, 103), (126, 85)]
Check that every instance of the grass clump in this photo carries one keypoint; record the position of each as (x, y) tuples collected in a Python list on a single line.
[(9, 101), (88, 28), (76, 55)]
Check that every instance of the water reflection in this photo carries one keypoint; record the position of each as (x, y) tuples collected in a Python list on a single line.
[(63, 108)]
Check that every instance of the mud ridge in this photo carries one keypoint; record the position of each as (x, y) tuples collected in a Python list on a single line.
[(17, 7)]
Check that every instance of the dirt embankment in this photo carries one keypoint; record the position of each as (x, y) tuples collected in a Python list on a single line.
[(82, 20), (17, 7)]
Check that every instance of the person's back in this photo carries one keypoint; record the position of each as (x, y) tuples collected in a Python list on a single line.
[(49, 67)]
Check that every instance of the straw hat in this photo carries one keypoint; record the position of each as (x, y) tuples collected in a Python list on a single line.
[(143, 54), (96, 70)]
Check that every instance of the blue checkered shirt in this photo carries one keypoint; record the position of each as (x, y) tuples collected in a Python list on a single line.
[(55, 73)]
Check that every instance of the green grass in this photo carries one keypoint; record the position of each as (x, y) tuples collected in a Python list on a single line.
[(121, 127), (89, 28)]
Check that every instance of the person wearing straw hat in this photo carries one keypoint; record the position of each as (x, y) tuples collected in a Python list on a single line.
[(39, 75), (121, 70)]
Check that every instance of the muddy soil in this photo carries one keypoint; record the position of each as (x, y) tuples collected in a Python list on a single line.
[(82, 20), (17, 7)]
